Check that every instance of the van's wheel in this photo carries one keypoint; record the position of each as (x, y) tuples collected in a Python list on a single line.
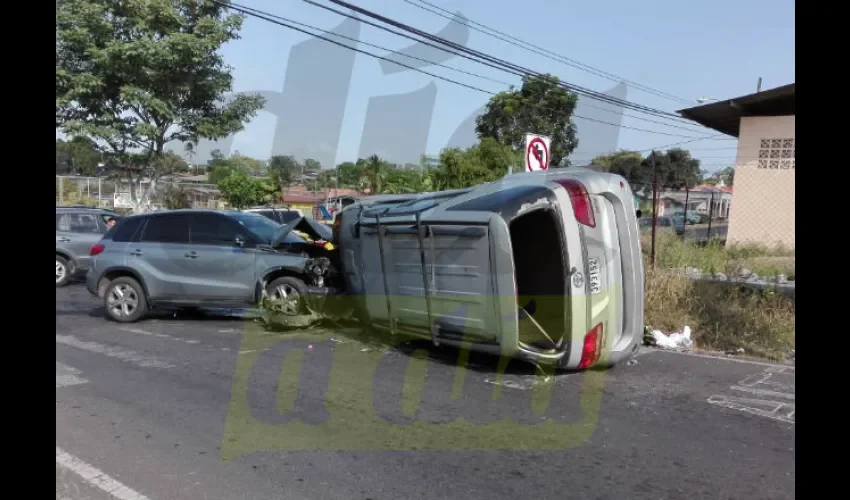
[(125, 300), (63, 271), (289, 293)]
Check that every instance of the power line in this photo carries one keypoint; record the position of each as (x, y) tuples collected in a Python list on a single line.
[(491, 60), (270, 18), (356, 40), (543, 52)]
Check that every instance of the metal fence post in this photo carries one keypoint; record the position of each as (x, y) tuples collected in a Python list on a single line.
[(654, 209), (710, 215)]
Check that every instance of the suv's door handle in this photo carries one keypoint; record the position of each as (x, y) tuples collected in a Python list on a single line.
[(64, 240), (191, 255), (136, 252)]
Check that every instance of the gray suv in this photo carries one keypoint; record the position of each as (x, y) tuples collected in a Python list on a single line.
[(203, 258), (77, 229)]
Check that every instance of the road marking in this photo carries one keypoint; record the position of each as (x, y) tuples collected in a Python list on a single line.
[(247, 351), (775, 410), (96, 477), (67, 375), (766, 385), (125, 355), (721, 358), (160, 335)]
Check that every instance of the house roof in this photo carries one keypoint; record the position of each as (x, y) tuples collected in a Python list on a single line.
[(300, 194), (725, 116)]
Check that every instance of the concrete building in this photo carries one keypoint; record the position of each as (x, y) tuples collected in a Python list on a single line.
[(765, 167)]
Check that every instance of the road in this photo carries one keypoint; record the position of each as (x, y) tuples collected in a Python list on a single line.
[(200, 408)]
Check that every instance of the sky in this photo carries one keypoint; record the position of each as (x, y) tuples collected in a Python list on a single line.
[(341, 105)]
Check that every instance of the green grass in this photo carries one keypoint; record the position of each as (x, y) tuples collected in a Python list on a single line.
[(715, 257), (721, 316)]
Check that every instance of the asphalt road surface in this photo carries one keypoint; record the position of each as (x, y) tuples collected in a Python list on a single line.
[(211, 408)]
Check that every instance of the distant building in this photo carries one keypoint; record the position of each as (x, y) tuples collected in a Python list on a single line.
[(765, 169), (429, 161)]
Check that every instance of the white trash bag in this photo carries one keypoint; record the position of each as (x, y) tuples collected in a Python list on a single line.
[(678, 340)]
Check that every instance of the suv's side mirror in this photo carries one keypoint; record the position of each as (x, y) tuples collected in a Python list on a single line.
[(638, 213), (239, 241)]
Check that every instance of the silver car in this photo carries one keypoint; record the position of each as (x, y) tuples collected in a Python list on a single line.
[(204, 258), (77, 229), (542, 266)]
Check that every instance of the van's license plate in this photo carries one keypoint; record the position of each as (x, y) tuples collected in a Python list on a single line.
[(594, 275)]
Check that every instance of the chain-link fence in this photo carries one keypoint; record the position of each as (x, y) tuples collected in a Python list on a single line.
[(742, 230), (108, 193)]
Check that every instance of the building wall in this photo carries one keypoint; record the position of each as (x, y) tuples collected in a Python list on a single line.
[(765, 177)]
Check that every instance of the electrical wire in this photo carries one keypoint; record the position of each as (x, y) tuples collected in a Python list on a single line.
[(284, 19), (486, 59), (517, 42), (256, 13)]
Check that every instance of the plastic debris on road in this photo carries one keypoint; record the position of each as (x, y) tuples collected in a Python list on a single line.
[(678, 340)]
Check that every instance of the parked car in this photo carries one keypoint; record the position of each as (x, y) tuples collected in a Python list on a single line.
[(279, 215), (77, 229), (666, 223), (542, 266), (204, 258)]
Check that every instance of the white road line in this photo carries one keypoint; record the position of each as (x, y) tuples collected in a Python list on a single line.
[(96, 477), (160, 335), (67, 375), (125, 355), (721, 358)]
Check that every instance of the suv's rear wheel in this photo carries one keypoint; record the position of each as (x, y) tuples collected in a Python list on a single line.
[(63, 271), (289, 294), (125, 300)]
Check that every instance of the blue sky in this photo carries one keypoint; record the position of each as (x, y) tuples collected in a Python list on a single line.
[(712, 49)]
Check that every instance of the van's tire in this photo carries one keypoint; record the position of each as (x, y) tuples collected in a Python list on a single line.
[(295, 291), (125, 300), (64, 269)]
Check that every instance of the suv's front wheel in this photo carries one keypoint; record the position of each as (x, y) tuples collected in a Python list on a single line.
[(125, 300)]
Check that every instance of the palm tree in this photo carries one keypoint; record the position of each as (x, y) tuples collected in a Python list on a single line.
[(375, 170)]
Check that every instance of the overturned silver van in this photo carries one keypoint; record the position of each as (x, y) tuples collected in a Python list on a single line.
[(542, 266)]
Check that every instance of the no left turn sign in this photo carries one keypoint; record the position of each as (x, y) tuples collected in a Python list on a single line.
[(536, 153)]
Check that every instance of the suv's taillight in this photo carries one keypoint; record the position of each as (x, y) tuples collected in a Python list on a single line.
[(580, 201), (96, 249), (592, 348)]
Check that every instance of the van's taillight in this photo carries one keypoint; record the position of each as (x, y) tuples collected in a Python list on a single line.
[(580, 201), (592, 348), (96, 249)]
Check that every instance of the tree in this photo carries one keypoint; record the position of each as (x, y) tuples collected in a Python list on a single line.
[(242, 191), (348, 174), (675, 169), (375, 170), (80, 155), (283, 170), (679, 170), (540, 106), (220, 173), (311, 165), (174, 197), (486, 161), (725, 175), (135, 76), (627, 163)]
